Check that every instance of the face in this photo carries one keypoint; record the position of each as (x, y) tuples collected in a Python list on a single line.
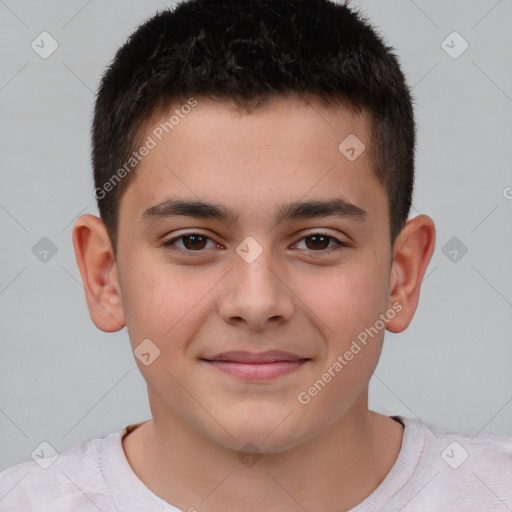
[(307, 284)]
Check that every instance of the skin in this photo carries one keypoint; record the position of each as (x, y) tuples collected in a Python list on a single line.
[(293, 297)]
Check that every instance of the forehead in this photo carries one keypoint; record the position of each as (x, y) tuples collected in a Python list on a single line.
[(282, 151)]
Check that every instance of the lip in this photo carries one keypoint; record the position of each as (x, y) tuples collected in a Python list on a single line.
[(270, 356), (257, 366)]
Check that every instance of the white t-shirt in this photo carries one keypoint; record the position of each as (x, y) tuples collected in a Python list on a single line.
[(436, 470)]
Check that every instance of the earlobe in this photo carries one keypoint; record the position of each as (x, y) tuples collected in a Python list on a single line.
[(413, 250), (98, 268)]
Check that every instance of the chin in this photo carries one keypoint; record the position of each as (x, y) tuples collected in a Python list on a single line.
[(260, 437)]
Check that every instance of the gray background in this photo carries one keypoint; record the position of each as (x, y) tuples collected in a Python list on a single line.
[(64, 381)]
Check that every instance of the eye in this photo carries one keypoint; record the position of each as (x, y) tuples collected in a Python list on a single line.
[(197, 243), (319, 242), (192, 242)]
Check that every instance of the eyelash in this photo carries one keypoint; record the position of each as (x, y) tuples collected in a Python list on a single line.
[(169, 243)]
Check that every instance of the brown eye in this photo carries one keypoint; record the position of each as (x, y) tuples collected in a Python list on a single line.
[(321, 243), (194, 241), (318, 241), (191, 242)]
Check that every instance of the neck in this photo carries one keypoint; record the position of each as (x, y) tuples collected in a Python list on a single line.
[(334, 471)]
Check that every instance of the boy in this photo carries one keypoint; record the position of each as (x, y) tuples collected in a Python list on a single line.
[(254, 166)]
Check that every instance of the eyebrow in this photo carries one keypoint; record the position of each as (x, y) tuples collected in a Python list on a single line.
[(296, 210)]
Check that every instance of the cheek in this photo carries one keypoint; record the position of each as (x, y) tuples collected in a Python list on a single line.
[(162, 302), (145, 297), (348, 299)]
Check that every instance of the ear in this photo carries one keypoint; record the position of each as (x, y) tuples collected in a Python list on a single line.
[(412, 251), (98, 268)]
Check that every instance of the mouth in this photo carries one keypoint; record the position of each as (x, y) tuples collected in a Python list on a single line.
[(257, 366)]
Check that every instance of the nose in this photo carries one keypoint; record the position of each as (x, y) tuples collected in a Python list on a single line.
[(257, 294)]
